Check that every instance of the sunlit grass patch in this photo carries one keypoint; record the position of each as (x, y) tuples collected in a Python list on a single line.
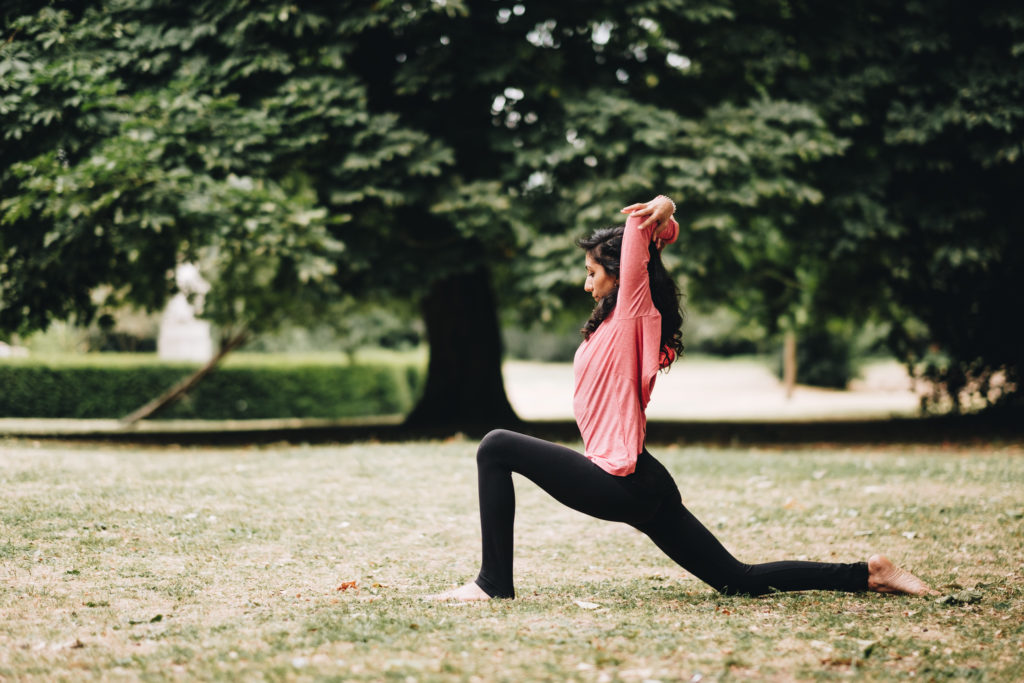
[(310, 562)]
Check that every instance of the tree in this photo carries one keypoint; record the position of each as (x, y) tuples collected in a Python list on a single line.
[(893, 199), (138, 136), (368, 150), (119, 166), (920, 226), (420, 149), (560, 113)]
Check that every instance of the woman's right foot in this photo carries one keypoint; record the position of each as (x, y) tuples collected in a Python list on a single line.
[(467, 593), (885, 577)]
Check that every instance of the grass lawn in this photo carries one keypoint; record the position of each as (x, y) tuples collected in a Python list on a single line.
[(302, 563)]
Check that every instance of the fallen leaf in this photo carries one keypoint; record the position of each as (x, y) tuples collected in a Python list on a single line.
[(345, 585), (837, 661)]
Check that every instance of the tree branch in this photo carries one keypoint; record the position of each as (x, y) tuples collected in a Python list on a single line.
[(229, 344), (11, 38)]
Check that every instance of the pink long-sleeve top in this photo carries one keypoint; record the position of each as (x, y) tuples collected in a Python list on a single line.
[(616, 367)]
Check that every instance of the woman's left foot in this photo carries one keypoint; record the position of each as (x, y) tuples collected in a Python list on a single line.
[(467, 593), (885, 577)]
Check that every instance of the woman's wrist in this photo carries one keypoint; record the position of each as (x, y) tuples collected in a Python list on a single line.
[(669, 200)]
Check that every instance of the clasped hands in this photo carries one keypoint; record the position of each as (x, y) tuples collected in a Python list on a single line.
[(658, 211)]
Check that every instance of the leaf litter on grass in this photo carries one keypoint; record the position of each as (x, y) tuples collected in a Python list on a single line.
[(307, 562)]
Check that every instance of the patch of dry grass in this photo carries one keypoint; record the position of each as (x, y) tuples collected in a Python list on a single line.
[(121, 562)]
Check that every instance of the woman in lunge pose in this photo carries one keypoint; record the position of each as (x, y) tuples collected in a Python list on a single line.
[(634, 331)]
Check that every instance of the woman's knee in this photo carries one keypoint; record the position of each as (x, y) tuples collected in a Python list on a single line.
[(496, 443)]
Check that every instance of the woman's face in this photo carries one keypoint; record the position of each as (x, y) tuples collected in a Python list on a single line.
[(599, 283)]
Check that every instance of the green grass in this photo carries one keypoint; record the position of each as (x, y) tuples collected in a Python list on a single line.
[(218, 564)]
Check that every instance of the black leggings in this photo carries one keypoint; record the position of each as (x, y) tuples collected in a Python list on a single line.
[(647, 500)]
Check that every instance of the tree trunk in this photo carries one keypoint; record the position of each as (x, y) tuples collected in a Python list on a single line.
[(464, 388), (789, 362), (187, 384)]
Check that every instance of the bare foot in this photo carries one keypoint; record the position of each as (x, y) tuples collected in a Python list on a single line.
[(885, 577), (468, 593)]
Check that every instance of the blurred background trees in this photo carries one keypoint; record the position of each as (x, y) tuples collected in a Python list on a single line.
[(835, 168), (919, 226)]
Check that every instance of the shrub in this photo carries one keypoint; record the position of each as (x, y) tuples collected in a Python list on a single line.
[(102, 389), (722, 332), (536, 343)]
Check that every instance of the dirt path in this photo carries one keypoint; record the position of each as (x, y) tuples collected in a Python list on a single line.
[(722, 390)]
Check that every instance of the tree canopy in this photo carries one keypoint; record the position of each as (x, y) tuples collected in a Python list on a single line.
[(854, 162), (920, 223)]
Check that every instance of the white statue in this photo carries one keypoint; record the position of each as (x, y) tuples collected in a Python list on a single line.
[(182, 335)]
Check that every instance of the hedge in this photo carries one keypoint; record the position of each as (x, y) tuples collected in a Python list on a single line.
[(105, 390)]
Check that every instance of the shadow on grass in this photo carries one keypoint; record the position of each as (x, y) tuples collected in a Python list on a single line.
[(963, 430)]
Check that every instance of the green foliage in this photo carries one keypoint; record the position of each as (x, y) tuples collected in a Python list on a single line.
[(539, 343), (723, 332), (370, 328), (854, 160), (273, 146), (241, 390), (137, 136), (919, 226)]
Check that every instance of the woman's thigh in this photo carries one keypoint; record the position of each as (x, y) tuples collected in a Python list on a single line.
[(570, 477)]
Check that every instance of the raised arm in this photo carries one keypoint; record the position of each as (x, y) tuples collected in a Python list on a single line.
[(647, 222)]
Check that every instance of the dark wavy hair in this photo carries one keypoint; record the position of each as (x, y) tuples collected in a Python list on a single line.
[(605, 247)]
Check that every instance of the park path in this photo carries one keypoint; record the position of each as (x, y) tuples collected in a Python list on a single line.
[(720, 390)]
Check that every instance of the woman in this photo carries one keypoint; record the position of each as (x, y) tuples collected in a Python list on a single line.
[(634, 330)]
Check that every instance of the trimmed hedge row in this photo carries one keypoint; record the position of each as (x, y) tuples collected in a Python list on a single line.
[(231, 392)]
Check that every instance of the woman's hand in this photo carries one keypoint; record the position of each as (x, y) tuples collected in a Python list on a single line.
[(659, 211)]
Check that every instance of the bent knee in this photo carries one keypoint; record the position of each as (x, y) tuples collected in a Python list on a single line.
[(497, 441)]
